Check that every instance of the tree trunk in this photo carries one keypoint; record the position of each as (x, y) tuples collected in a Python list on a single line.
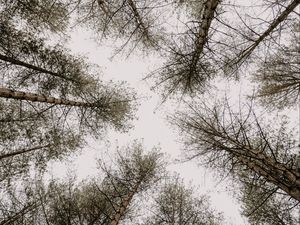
[(207, 17), (272, 26), (22, 151), (124, 205), (30, 66), (138, 18), (8, 93), (276, 173)]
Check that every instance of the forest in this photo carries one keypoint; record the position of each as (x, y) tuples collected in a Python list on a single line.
[(223, 74)]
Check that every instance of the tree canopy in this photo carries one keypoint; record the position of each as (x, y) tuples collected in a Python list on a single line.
[(53, 102)]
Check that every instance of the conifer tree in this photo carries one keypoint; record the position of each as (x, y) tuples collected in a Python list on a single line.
[(95, 201), (176, 205), (238, 142), (46, 94), (38, 15)]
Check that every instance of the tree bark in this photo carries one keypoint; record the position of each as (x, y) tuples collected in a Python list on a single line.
[(22, 151), (292, 184), (124, 205), (210, 7), (9, 93), (33, 67), (273, 171), (138, 18), (272, 26)]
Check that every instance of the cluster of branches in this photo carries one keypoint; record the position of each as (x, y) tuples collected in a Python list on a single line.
[(111, 200), (46, 94), (220, 39), (49, 99), (262, 158)]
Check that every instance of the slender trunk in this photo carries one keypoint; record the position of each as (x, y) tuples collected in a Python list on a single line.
[(138, 18), (272, 26), (272, 164), (124, 205), (22, 151), (210, 7), (22, 212), (103, 8), (33, 67), (207, 17), (8, 93)]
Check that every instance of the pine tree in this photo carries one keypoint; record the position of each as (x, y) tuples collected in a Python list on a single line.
[(37, 15), (47, 94), (177, 205), (278, 77), (264, 203), (133, 22), (95, 201), (189, 66), (234, 142), (211, 44)]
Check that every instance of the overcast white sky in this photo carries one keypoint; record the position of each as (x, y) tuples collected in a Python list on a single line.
[(151, 126)]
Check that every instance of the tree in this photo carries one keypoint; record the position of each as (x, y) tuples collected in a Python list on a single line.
[(189, 66), (220, 39), (271, 34), (176, 204), (68, 101), (26, 61), (36, 14), (279, 76), (131, 21), (264, 203), (19, 203), (31, 137), (238, 141), (97, 201), (136, 172)]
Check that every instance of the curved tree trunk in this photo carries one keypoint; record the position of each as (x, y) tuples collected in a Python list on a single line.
[(277, 173), (286, 180)]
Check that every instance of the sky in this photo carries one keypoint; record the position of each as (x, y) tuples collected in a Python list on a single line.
[(151, 127)]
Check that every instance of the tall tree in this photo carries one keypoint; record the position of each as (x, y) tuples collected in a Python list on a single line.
[(68, 101), (264, 203), (26, 61), (189, 66), (237, 141), (218, 39), (131, 21), (36, 14), (177, 205), (30, 137), (136, 172), (279, 76), (97, 201), (267, 33)]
